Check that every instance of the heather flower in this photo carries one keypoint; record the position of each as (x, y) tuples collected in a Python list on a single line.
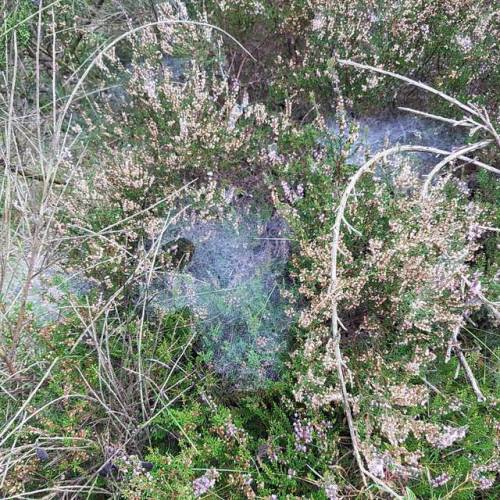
[(376, 466), (485, 483), (440, 480), (303, 435), (318, 23), (292, 195), (231, 430), (447, 437), (205, 482), (404, 395), (331, 491), (464, 42)]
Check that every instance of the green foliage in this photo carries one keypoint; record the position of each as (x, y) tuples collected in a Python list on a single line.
[(18, 21)]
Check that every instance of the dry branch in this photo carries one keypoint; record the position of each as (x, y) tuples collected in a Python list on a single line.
[(450, 158)]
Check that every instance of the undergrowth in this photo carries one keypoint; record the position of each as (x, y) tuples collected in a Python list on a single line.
[(350, 349)]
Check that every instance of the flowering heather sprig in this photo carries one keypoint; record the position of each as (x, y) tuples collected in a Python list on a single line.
[(231, 430), (205, 482), (243, 483), (331, 491), (303, 435), (464, 42), (478, 474), (485, 483), (447, 437), (405, 395), (231, 433), (377, 465), (292, 195), (440, 480)]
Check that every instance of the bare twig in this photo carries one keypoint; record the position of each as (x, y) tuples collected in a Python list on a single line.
[(454, 156), (468, 374), (428, 88), (456, 123), (454, 346)]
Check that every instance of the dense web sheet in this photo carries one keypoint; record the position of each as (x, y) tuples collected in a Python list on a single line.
[(231, 282), (50, 286), (378, 132)]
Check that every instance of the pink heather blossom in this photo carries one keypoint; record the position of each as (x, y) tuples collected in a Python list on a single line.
[(440, 480), (205, 482), (485, 483), (448, 436), (303, 435)]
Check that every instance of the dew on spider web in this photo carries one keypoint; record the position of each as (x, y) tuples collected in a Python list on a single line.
[(231, 283)]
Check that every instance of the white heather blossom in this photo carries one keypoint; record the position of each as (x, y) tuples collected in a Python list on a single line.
[(447, 437), (464, 42), (150, 87), (319, 22), (404, 395), (331, 491), (376, 466)]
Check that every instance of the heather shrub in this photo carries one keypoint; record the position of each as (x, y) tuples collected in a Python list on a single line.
[(407, 285), (450, 44)]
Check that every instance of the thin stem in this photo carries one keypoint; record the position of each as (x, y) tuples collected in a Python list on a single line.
[(450, 158), (468, 109)]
